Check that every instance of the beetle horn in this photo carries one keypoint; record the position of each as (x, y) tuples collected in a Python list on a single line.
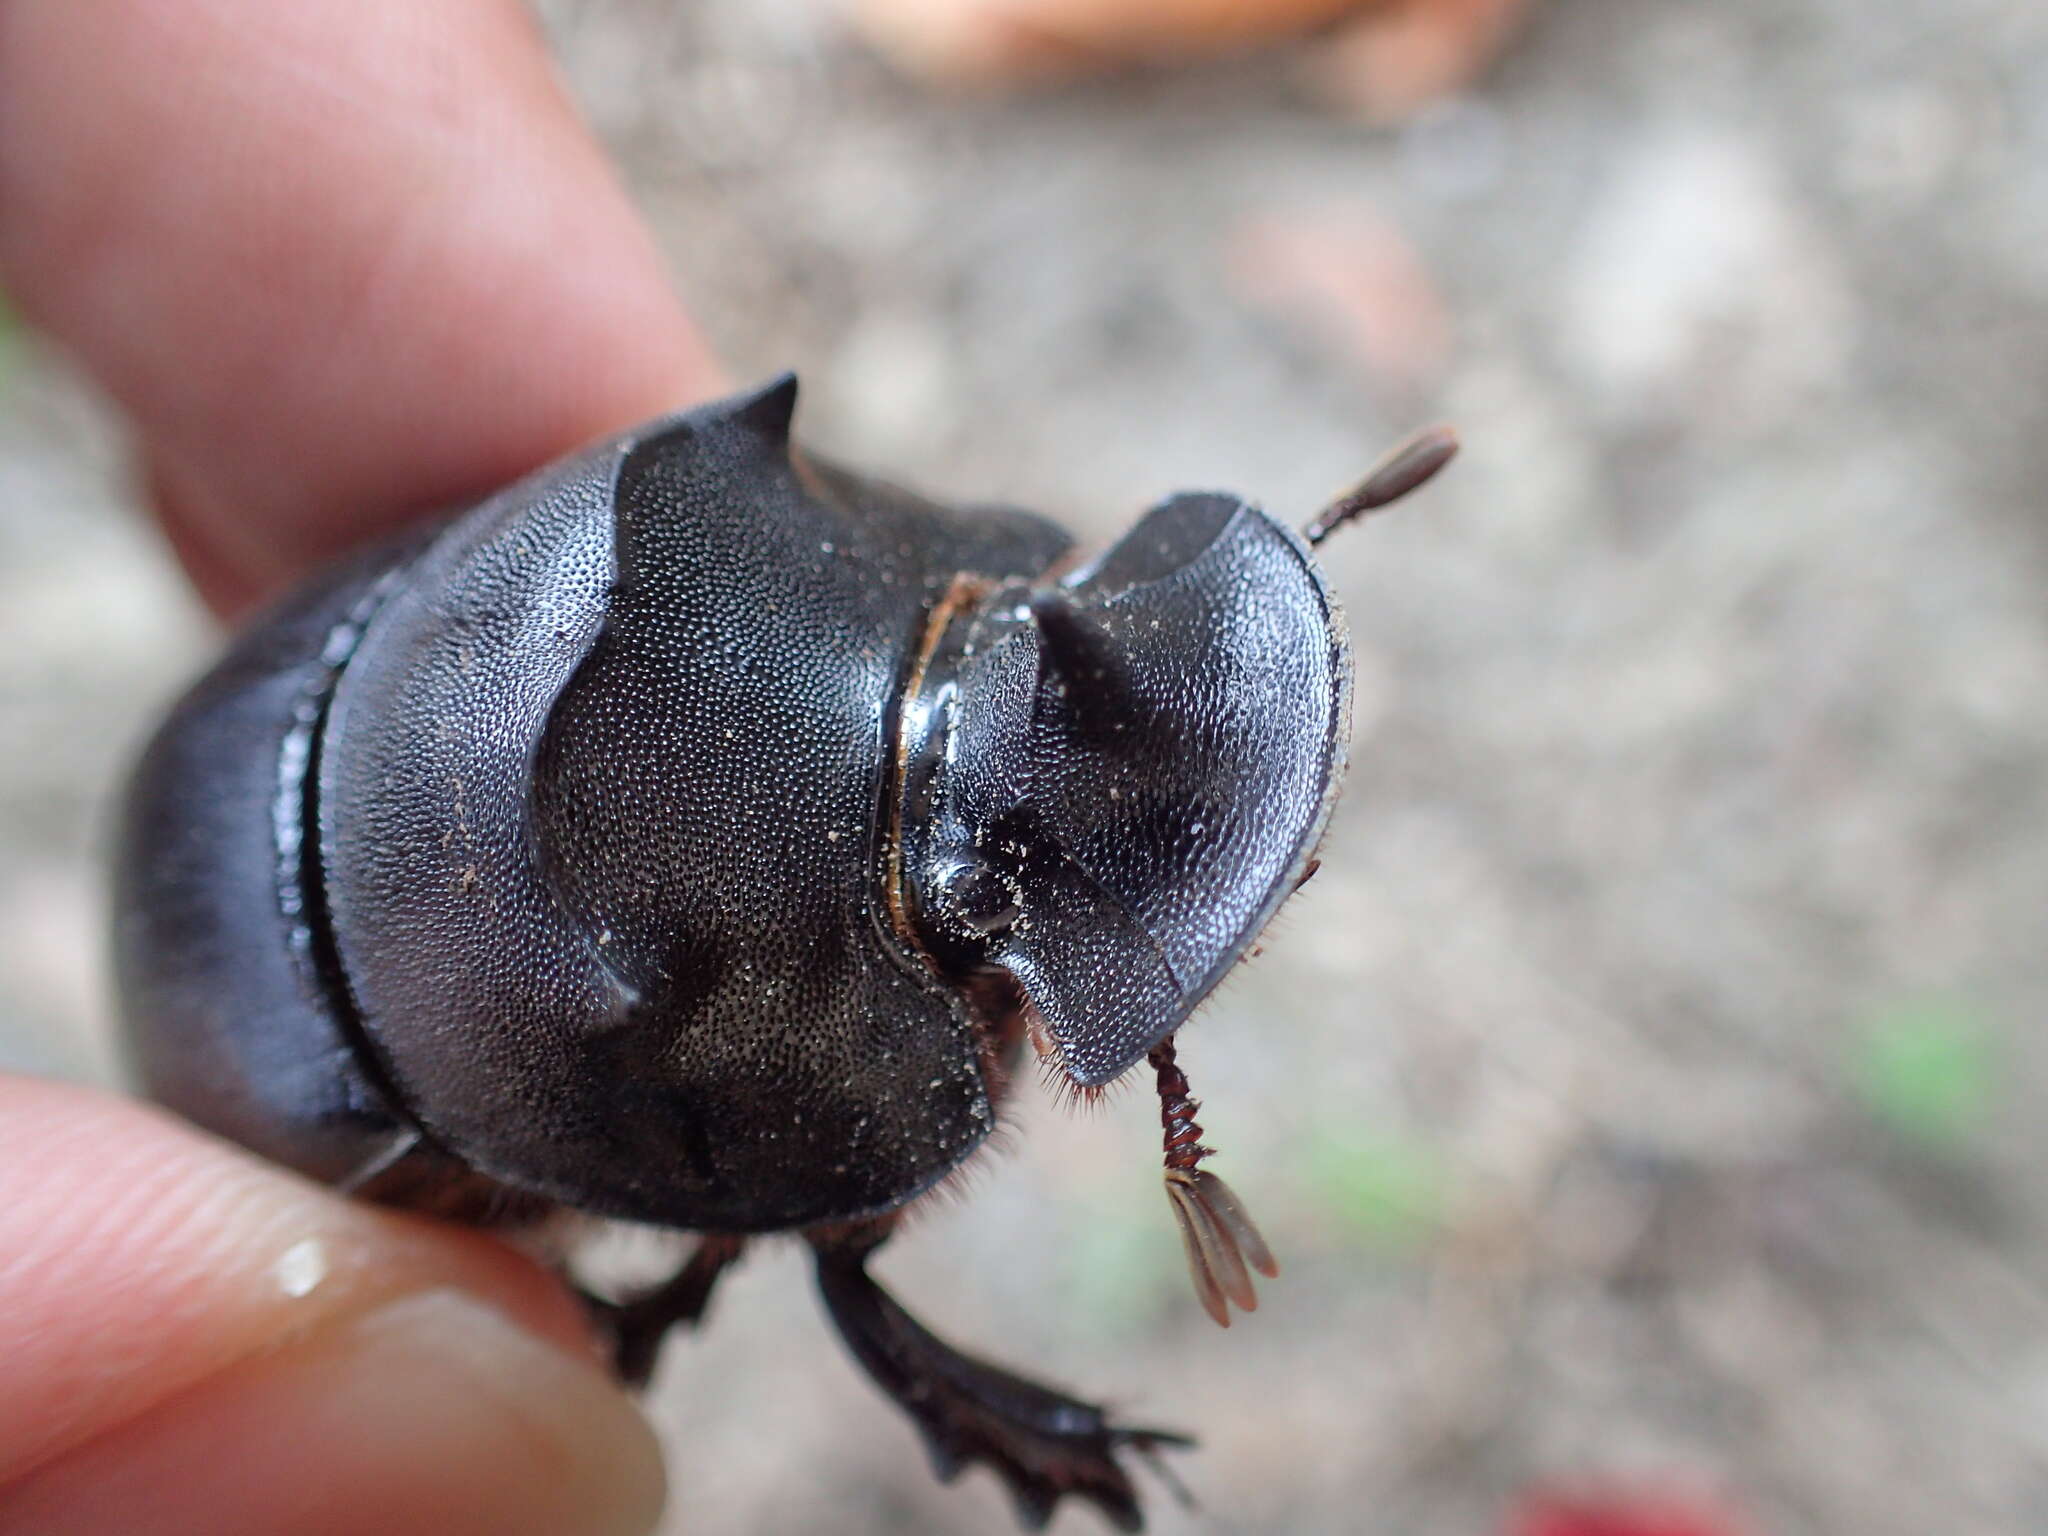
[(769, 409), (1408, 467), (1197, 670)]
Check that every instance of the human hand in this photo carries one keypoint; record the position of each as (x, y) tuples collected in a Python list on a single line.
[(198, 1343), (342, 262)]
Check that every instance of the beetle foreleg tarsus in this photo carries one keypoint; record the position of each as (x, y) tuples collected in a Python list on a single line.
[(637, 1328), (1043, 1444), (1407, 467)]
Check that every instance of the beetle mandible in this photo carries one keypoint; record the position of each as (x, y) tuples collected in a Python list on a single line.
[(696, 833)]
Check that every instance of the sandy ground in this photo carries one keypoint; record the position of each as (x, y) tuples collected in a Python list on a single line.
[(1648, 1093)]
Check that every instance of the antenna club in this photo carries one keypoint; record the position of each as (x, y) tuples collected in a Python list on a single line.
[(1408, 467)]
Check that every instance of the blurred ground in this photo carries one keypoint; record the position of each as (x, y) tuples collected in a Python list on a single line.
[(1649, 1092)]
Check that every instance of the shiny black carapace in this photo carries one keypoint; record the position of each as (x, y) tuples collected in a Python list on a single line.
[(695, 832)]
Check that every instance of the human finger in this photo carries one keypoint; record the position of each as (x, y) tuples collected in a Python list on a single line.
[(197, 1342), (341, 261)]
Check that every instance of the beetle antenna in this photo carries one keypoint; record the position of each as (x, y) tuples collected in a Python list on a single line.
[(1406, 468), (1217, 1232)]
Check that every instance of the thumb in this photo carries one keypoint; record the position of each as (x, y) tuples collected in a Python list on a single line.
[(199, 1343)]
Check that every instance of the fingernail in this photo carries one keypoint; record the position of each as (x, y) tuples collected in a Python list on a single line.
[(432, 1414)]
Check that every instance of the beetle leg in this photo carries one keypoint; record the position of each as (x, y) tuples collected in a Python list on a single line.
[(1041, 1443), (638, 1327)]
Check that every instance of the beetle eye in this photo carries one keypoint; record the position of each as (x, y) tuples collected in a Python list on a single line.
[(980, 898)]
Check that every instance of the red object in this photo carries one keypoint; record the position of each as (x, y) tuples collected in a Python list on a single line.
[(1617, 1515)]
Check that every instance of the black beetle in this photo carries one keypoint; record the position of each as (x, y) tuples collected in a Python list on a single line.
[(694, 832)]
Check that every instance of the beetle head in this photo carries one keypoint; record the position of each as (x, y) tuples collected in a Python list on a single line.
[(1107, 786)]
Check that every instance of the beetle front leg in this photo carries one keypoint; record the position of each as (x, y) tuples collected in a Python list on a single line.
[(1042, 1443), (638, 1327)]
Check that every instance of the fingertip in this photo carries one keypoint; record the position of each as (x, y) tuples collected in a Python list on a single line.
[(139, 1257), (432, 1413), (345, 262)]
